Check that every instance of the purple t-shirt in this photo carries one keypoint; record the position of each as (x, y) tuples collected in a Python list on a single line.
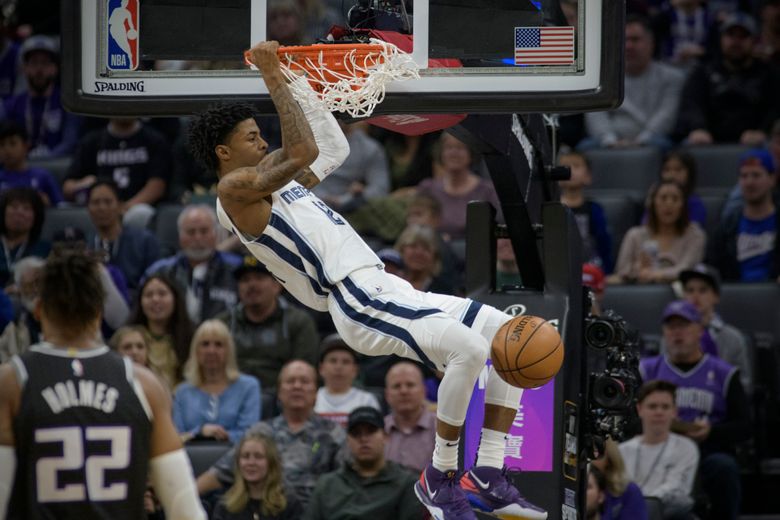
[(453, 208), (36, 178)]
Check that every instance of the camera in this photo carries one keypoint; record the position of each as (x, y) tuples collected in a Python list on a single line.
[(385, 15), (612, 388)]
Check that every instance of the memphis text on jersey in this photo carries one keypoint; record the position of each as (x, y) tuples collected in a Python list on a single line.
[(85, 392)]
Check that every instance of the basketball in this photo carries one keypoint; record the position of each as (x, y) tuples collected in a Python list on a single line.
[(527, 352), (132, 34)]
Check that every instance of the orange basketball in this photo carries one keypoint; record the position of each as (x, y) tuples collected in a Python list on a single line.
[(527, 352)]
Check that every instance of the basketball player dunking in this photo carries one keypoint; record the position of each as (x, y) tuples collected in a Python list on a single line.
[(82, 428), (264, 199)]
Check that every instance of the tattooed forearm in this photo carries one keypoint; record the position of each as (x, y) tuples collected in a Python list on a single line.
[(307, 178), (296, 132)]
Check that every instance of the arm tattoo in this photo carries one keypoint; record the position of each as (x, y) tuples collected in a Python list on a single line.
[(295, 127), (307, 178)]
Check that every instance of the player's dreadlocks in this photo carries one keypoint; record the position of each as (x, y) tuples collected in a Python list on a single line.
[(212, 127)]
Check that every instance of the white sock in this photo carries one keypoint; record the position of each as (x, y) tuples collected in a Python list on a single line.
[(445, 454), (491, 449)]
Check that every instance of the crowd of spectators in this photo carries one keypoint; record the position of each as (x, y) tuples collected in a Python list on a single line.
[(249, 367)]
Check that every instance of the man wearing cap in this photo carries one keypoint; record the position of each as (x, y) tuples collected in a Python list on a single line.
[(701, 287), (744, 246), (52, 131), (711, 403), (267, 330), (732, 99), (368, 486), (338, 369)]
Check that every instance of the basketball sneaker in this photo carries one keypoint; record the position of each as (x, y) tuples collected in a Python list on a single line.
[(489, 490), (440, 492)]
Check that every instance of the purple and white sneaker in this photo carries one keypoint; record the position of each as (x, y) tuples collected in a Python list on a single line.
[(489, 490), (440, 492)]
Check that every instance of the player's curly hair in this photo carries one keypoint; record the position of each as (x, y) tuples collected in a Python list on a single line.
[(71, 290), (212, 127)]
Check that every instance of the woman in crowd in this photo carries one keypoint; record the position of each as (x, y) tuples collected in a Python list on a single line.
[(257, 493), (21, 220), (160, 309), (680, 167), (132, 341), (656, 252), (215, 401), (419, 248), (623, 499)]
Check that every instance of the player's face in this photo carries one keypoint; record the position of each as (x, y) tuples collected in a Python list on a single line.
[(338, 369), (682, 337), (701, 295), (657, 411), (418, 257), (19, 217), (211, 352), (455, 155), (669, 204), (366, 443), (132, 345), (755, 183), (157, 301), (298, 387), (13, 151), (252, 461), (246, 145), (104, 207), (258, 290), (404, 390)]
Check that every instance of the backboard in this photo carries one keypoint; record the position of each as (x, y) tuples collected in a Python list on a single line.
[(476, 56)]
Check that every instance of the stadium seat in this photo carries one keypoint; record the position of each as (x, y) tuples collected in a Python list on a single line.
[(717, 165), (62, 217), (752, 308), (655, 509), (203, 454), (164, 226), (57, 166), (714, 204), (633, 169), (622, 213), (640, 305)]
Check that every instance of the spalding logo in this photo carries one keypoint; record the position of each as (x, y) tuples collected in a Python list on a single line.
[(519, 327), (516, 309)]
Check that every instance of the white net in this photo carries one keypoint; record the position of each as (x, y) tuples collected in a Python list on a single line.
[(356, 85)]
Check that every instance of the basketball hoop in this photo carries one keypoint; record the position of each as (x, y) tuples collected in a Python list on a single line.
[(345, 77)]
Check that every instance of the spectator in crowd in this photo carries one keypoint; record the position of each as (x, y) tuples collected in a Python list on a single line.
[(594, 279), (409, 156), (652, 95), (730, 99), (595, 494), (133, 155), (657, 251), (257, 491), (425, 210), (131, 249), (52, 131), (161, 310), (590, 217), (368, 486), (16, 171), (205, 273), (685, 27), (215, 401), (507, 270), (456, 186), (701, 287), (419, 250), (623, 499), (132, 341), (24, 330), (363, 176), (712, 408), (411, 424), (768, 47), (267, 330), (394, 264), (744, 246), (21, 222), (662, 463), (310, 445), (680, 166), (11, 81), (338, 369), (285, 22)]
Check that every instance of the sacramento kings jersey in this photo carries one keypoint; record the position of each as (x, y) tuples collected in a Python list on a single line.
[(306, 245), (82, 436)]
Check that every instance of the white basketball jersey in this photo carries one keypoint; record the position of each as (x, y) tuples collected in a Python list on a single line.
[(306, 245)]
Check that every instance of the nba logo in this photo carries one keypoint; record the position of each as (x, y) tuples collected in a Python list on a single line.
[(122, 35)]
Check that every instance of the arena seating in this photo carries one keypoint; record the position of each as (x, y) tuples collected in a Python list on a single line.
[(204, 454), (632, 170), (61, 217), (717, 165), (621, 213), (57, 166), (164, 226)]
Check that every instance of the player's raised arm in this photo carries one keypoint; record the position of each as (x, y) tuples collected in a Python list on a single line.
[(299, 149)]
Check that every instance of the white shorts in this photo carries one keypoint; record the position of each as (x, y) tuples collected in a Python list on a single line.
[(377, 313)]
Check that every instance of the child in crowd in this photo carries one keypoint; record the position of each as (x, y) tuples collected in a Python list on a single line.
[(680, 167), (16, 171), (596, 241)]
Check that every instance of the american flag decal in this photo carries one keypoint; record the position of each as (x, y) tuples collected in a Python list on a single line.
[(544, 45)]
